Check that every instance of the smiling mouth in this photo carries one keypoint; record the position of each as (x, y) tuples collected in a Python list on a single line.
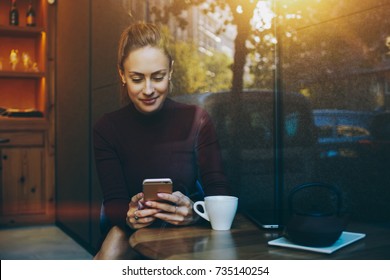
[(149, 101)]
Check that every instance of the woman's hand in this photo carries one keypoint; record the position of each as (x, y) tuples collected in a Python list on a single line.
[(138, 216), (177, 212)]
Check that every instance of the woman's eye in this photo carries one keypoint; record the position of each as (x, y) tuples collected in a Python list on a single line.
[(136, 80), (159, 78)]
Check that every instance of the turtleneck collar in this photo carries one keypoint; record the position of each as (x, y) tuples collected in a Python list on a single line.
[(148, 118)]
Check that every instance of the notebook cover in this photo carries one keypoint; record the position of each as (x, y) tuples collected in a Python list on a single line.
[(345, 239)]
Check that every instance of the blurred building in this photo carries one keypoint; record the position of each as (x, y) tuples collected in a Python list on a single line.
[(202, 29)]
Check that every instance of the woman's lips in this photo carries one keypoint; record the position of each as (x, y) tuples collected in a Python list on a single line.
[(149, 101)]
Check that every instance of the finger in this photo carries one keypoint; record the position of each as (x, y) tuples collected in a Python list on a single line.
[(136, 199), (176, 198), (134, 203), (183, 199), (143, 216), (146, 220), (162, 206), (169, 197), (146, 212), (168, 217), (137, 224), (141, 204)]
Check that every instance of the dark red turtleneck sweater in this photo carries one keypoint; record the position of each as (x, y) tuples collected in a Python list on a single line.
[(178, 142)]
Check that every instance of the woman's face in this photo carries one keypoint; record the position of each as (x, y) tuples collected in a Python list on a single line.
[(146, 75)]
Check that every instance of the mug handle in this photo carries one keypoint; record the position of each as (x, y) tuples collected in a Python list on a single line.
[(202, 214)]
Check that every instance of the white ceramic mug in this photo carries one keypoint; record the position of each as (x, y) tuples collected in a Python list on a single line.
[(219, 210)]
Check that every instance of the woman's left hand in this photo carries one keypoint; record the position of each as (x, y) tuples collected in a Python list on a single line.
[(178, 212)]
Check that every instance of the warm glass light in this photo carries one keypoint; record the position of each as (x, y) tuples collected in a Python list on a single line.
[(42, 50)]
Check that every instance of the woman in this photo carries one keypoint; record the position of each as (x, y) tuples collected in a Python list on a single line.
[(152, 137)]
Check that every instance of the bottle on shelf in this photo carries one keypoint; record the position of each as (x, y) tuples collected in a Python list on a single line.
[(14, 14), (30, 15)]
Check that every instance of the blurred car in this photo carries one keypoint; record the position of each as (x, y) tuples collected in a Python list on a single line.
[(353, 144), (342, 133), (354, 149), (245, 126)]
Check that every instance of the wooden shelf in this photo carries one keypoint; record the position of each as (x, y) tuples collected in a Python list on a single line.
[(22, 75), (20, 31), (23, 124), (29, 154)]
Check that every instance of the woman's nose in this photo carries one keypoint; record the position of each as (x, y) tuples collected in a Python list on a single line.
[(149, 89)]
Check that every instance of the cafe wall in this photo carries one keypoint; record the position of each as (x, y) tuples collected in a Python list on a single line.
[(86, 87)]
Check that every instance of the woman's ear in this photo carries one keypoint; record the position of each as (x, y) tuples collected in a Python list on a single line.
[(123, 80)]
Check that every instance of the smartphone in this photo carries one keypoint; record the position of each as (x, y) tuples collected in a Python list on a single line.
[(153, 186)]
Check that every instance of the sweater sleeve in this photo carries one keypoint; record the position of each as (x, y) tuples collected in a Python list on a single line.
[(115, 195), (209, 158)]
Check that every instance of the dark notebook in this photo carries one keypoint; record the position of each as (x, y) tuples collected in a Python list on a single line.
[(268, 219)]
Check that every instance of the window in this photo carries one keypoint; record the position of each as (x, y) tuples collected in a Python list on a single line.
[(335, 82)]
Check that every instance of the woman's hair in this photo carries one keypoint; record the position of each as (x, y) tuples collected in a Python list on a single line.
[(139, 35)]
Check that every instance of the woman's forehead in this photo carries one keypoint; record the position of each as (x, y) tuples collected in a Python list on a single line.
[(146, 60)]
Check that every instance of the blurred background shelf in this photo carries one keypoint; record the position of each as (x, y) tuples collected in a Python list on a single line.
[(20, 31), (21, 75)]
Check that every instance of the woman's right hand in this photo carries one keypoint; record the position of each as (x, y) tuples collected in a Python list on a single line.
[(138, 216)]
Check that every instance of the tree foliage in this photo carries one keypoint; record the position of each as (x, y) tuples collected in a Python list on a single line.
[(194, 72), (238, 13), (324, 45), (328, 46), (188, 74)]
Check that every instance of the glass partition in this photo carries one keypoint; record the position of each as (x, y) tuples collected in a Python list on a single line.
[(336, 54), (314, 108)]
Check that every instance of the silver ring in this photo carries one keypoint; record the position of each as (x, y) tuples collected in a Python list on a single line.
[(175, 209), (136, 218)]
